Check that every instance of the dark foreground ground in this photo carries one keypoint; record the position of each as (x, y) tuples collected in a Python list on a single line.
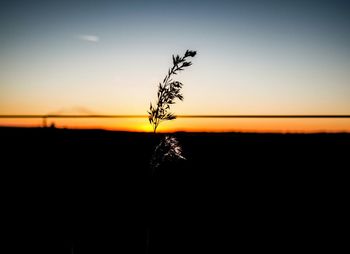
[(89, 191)]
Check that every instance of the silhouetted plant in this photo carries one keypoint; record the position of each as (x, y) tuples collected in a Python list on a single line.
[(168, 91), (169, 149)]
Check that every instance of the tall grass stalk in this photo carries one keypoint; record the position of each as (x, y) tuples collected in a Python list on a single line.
[(169, 91)]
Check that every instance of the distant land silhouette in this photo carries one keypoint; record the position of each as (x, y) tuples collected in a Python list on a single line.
[(88, 191)]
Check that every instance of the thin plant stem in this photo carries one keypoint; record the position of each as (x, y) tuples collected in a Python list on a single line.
[(169, 91)]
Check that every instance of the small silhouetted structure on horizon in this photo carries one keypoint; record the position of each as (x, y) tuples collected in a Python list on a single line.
[(44, 121)]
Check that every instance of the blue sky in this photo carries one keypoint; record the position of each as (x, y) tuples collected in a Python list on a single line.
[(254, 57)]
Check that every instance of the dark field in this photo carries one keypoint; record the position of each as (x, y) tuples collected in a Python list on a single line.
[(90, 191)]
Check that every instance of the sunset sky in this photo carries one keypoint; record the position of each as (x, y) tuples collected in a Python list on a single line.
[(107, 57)]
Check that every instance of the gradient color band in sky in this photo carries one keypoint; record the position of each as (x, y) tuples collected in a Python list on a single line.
[(254, 57)]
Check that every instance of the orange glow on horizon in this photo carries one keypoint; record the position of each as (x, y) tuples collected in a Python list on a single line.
[(293, 125)]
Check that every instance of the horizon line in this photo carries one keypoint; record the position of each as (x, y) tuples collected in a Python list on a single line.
[(177, 116)]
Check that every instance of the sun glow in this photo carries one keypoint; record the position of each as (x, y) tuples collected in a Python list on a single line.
[(191, 125)]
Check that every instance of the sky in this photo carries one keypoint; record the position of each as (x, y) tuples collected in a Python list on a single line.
[(107, 57)]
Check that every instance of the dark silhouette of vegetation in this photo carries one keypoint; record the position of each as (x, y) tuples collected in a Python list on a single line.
[(234, 191), (168, 149), (168, 91)]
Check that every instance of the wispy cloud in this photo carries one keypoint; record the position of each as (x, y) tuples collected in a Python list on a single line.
[(89, 38)]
